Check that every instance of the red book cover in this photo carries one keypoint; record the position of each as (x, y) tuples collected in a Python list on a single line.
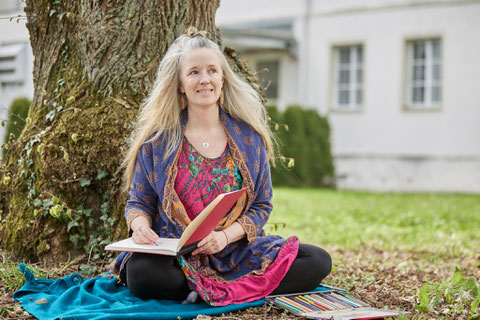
[(210, 221)]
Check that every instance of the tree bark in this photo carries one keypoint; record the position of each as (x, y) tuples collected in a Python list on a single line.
[(95, 61)]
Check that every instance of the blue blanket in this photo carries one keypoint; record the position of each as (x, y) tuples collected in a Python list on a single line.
[(73, 297)]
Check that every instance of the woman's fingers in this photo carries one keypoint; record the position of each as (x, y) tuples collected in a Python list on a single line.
[(213, 243), (143, 235)]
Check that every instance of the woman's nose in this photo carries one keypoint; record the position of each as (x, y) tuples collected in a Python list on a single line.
[(204, 78)]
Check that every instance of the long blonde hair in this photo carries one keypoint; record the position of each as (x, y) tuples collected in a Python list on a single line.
[(161, 111)]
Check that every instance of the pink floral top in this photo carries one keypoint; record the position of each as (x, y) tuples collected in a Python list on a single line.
[(199, 179)]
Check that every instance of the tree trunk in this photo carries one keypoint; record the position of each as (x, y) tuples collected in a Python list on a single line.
[(95, 61)]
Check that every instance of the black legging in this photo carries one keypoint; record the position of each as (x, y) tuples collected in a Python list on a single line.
[(309, 268), (151, 276)]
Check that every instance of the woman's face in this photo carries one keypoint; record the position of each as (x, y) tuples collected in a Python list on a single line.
[(201, 78)]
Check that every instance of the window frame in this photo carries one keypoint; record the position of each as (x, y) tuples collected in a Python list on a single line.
[(353, 86), (428, 81)]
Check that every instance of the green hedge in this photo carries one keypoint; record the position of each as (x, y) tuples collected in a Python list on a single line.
[(17, 113), (307, 141)]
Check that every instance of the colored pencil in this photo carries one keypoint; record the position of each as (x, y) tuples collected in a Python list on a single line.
[(342, 302), (308, 304), (294, 303), (315, 303), (361, 303), (328, 303), (288, 305)]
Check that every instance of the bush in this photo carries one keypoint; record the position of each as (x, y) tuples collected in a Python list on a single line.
[(308, 142), (17, 113)]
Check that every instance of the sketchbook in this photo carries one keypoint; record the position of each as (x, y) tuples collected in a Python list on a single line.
[(198, 229), (331, 304)]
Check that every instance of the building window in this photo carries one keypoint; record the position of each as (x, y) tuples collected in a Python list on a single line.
[(9, 6), (12, 63), (348, 77), (424, 73), (268, 72)]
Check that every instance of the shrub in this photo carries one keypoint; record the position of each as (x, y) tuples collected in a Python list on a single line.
[(307, 141), (17, 113)]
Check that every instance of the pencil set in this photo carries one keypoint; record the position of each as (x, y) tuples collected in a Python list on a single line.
[(330, 305), (319, 302)]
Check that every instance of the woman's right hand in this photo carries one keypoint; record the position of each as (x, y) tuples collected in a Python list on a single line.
[(144, 235)]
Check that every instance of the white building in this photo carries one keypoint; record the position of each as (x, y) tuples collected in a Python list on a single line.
[(398, 79), (16, 59)]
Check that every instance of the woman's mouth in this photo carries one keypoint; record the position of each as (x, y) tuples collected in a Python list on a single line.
[(205, 91)]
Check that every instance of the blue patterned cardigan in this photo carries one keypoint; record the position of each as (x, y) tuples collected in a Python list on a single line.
[(153, 196)]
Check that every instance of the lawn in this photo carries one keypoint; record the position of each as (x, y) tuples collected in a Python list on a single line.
[(352, 220), (417, 253)]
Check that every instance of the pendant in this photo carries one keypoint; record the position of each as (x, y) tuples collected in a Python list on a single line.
[(205, 144)]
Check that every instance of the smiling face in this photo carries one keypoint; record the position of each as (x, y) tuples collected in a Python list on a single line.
[(201, 78)]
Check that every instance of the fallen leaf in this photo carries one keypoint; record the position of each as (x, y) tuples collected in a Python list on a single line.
[(42, 300)]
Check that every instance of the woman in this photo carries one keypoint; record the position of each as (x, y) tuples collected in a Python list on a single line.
[(203, 131)]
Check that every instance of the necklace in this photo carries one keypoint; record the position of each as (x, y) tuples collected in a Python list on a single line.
[(204, 142)]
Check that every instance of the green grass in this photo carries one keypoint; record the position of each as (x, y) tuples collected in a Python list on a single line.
[(11, 279), (459, 292), (446, 223)]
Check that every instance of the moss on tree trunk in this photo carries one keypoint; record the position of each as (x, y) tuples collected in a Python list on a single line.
[(94, 64)]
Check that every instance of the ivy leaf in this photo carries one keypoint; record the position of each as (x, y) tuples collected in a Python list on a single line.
[(104, 208), (291, 163), (55, 211), (50, 115), (55, 200), (37, 203), (87, 212), (72, 224), (101, 174), (47, 203), (60, 16), (74, 239), (85, 182), (6, 180)]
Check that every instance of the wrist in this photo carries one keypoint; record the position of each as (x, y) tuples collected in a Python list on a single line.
[(226, 236), (139, 222)]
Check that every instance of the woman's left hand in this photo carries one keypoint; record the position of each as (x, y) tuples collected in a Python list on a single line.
[(215, 242)]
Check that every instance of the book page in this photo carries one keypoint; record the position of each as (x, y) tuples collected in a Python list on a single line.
[(164, 246)]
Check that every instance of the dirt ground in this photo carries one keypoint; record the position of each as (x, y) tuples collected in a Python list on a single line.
[(381, 278)]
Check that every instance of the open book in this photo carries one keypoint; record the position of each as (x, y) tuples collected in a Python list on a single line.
[(198, 229)]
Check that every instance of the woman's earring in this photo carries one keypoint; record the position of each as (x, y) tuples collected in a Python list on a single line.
[(222, 98), (183, 103)]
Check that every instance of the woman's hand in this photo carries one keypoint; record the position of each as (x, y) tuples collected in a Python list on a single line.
[(215, 242), (144, 235)]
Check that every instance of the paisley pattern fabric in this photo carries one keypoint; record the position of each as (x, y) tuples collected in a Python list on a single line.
[(245, 289), (153, 195), (200, 179)]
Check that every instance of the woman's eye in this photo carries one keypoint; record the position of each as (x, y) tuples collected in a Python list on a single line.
[(193, 72), (213, 70)]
